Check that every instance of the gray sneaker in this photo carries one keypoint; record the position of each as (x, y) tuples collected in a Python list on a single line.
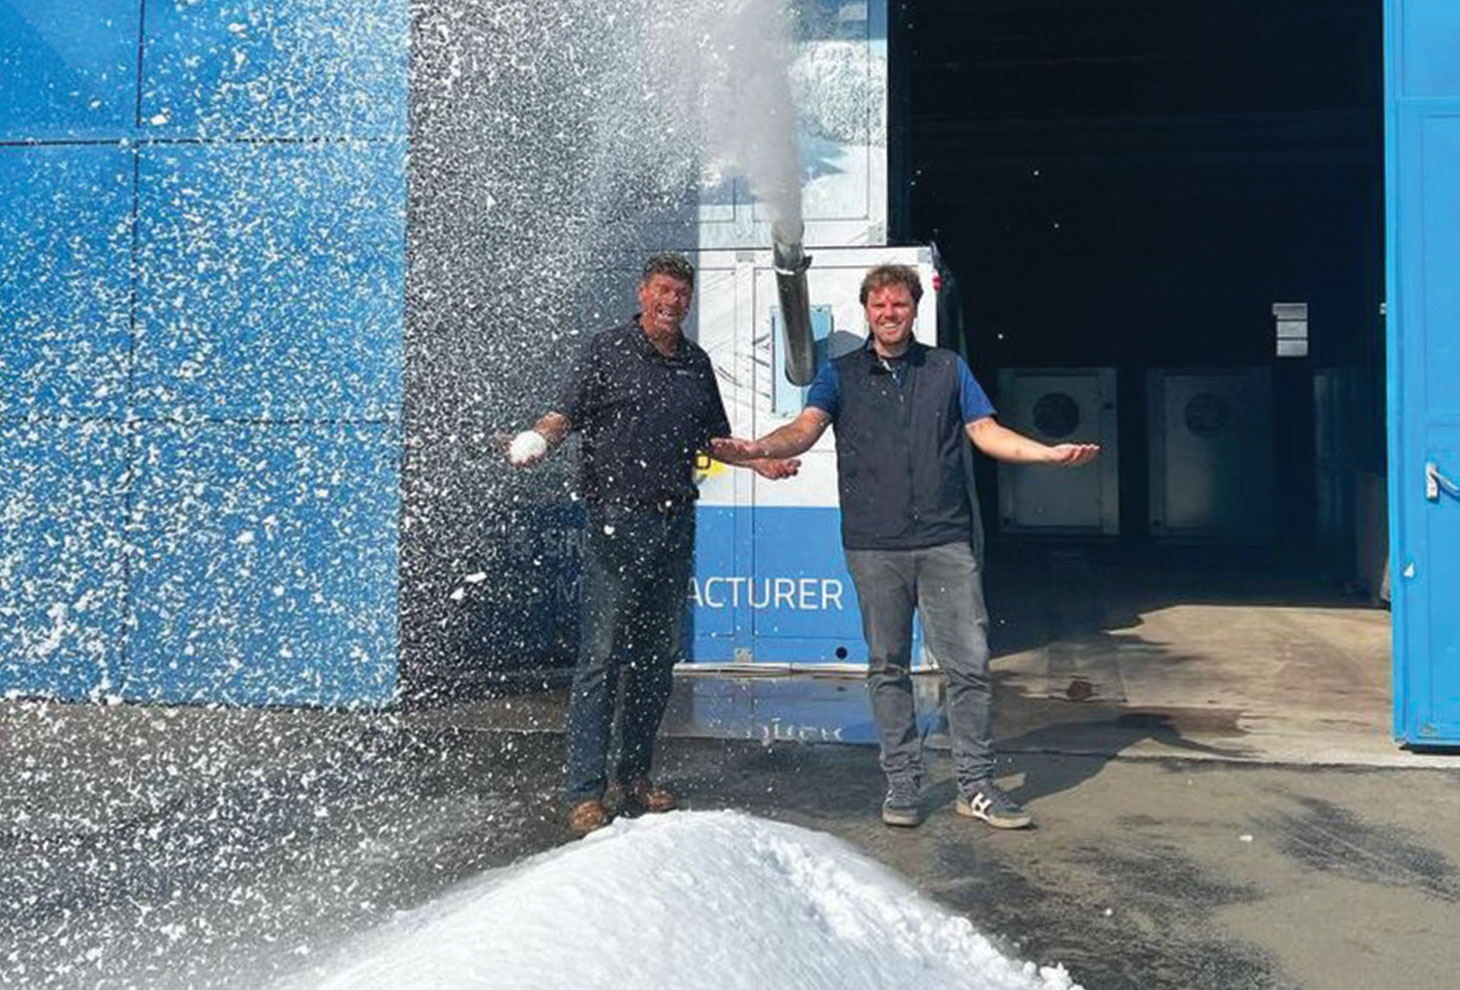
[(902, 806), (987, 802)]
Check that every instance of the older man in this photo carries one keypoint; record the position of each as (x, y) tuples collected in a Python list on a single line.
[(645, 400), (904, 413)]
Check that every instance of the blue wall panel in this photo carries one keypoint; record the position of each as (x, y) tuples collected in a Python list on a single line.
[(271, 281), (266, 561), (68, 68), (65, 280), (1428, 59), (1423, 177), (289, 68), (62, 504), (162, 277)]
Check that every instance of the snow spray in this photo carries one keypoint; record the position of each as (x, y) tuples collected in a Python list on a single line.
[(739, 75)]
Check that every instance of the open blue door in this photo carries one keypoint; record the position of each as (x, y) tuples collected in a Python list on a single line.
[(1423, 165)]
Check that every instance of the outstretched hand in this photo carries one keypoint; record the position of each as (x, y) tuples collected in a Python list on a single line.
[(733, 450), (751, 454), (775, 470), (1074, 454)]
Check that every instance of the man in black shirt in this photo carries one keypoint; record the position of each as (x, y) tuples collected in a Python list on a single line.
[(646, 402)]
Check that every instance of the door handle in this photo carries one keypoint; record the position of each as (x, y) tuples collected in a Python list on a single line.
[(1435, 482)]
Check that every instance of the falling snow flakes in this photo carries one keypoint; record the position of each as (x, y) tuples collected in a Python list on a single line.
[(314, 329), (835, 82), (57, 613), (65, 236), (292, 570), (312, 68)]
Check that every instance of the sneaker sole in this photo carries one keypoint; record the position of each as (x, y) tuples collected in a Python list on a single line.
[(1018, 821), (901, 819)]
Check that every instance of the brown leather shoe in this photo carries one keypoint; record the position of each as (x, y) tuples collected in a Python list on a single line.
[(588, 816), (644, 795)]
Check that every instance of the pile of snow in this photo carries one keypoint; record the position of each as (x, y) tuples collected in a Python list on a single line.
[(718, 900)]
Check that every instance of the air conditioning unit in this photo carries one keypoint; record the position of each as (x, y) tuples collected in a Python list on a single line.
[(1061, 405), (1211, 453)]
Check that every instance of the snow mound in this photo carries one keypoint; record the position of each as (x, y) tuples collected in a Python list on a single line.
[(716, 900)]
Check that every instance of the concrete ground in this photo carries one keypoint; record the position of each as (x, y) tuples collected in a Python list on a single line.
[(1218, 802), (1203, 654), (216, 848)]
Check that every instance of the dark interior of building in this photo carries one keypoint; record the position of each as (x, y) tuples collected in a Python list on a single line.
[(1133, 184)]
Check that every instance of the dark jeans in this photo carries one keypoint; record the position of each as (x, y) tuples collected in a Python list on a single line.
[(944, 586), (634, 591)]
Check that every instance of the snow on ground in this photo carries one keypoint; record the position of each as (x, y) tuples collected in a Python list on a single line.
[(718, 900)]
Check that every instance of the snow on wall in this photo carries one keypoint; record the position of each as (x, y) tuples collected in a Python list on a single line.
[(212, 299), (202, 262)]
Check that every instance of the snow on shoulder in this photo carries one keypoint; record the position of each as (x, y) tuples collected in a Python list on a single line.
[(716, 900)]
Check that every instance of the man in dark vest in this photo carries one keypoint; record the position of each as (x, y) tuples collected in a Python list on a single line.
[(904, 413), (645, 400)]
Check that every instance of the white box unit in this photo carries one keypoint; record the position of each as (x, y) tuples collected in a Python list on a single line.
[(1211, 453), (771, 583), (1061, 405)]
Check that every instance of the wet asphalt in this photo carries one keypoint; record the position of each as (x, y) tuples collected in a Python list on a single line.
[(225, 848)]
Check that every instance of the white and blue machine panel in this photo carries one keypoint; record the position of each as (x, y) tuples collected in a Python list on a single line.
[(771, 584), (839, 76), (788, 398)]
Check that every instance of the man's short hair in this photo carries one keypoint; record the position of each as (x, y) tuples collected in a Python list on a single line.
[(670, 263), (887, 275)]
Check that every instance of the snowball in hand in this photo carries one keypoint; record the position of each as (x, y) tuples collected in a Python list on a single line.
[(527, 447)]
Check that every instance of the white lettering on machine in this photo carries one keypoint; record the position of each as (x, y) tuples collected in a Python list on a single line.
[(807, 594)]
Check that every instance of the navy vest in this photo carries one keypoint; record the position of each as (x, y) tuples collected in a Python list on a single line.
[(904, 461)]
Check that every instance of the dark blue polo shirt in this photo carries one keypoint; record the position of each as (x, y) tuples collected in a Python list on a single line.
[(643, 417)]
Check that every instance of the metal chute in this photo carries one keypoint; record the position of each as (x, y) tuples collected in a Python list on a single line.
[(791, 262)]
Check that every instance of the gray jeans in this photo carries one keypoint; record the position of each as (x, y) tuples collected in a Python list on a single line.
[(943, 585)]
